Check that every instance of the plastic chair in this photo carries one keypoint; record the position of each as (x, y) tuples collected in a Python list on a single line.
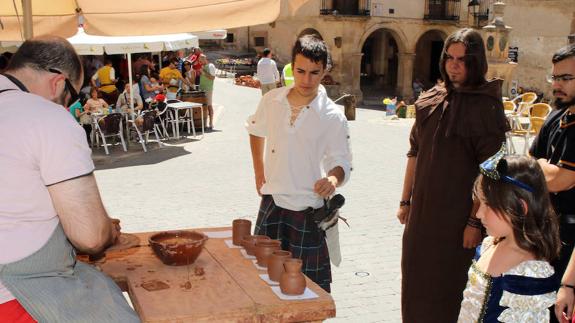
[(540, 110), (527, 97), (509, 106), (532, 130)]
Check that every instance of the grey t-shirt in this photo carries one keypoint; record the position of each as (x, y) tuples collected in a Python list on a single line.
[(145, 94)]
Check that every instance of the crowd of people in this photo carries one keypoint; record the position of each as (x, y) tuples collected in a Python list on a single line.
[(488, 237)]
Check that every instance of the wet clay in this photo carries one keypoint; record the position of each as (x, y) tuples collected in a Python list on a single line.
[(154, 285)]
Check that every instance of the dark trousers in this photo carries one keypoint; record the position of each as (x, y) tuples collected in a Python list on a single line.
[(88, 130)]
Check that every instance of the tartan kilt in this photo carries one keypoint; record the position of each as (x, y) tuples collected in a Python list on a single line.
[(299, 234)]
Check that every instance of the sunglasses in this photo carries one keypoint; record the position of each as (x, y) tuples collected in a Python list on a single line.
[(74, 96)]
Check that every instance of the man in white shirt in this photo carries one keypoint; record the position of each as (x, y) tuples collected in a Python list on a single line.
[(123, 103), (267, 72), (307, 155)]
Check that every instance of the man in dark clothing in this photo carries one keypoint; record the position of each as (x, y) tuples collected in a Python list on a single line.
[(554, 148), (458, 125)]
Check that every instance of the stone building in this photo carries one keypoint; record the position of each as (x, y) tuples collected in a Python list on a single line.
[(380, 46)]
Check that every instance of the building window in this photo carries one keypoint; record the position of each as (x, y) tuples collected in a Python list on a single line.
[(259, 41), (230, 38)]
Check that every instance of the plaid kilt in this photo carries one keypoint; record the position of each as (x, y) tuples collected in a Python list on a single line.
[(298, 234)]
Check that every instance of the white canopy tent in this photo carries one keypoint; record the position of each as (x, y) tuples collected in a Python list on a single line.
[(96, 45)]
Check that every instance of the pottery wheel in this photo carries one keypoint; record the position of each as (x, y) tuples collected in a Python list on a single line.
[(125, 241)]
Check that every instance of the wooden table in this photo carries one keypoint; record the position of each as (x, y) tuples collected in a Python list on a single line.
[(229, 290)]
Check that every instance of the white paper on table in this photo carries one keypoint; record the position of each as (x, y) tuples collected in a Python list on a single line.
[(255, 262), (307, 294), (245, 254), (267, 279), (218, 234), (231, 244)]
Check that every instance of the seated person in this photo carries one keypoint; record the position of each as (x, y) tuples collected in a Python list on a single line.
[(95, 104), (123, 103)]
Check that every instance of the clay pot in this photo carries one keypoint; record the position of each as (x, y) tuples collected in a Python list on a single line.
[(178, 248), (276, 264), (264, 249), (292, 281), (240, 229), (249, 243)]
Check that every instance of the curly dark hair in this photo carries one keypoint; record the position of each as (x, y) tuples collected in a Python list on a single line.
[(536, 230)]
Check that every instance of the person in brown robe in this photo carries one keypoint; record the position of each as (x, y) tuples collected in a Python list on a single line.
[(458, 125)]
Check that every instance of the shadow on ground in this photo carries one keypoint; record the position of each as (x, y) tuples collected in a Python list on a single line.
[(135, 156)]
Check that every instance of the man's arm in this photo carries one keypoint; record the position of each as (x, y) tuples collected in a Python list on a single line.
[(566, 295), (558, 178), (83, 217), (403, 212), (257, 145), (113, 76), (325, 187)]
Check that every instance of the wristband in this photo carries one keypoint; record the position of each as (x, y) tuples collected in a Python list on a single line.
[(405, 203), (568, 286)]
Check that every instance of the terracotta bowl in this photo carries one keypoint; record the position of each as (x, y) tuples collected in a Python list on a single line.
[(178, 248)]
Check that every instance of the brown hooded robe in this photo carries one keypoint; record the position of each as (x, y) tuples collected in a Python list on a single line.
[(455, 130)]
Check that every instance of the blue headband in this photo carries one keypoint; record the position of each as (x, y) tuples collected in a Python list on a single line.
[(495, 168)]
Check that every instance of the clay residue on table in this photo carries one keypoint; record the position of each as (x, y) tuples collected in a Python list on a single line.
[(154, 285)]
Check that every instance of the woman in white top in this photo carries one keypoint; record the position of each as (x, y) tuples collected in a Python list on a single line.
[(95, 104)]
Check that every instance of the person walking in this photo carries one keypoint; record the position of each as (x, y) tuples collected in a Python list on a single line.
[(207, 85), (458, 125), (267, 72), (307, 156)]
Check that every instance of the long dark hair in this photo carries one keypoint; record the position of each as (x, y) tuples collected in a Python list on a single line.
[(475, 59), (536, 230)]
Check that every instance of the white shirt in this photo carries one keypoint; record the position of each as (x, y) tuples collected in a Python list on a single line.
[(268, 71), (297, 156), (112, 75)]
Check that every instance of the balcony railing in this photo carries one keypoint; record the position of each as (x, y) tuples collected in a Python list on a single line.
[(442, 10), (345, 7)]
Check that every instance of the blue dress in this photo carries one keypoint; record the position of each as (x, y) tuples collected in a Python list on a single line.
[(522, 294)]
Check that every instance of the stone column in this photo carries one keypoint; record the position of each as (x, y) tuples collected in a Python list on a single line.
[(351, 80), (405, 75)]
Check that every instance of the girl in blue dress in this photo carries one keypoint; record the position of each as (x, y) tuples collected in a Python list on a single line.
[(510, 279)]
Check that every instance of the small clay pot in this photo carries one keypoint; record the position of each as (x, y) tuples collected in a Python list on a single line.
[(264, 249), (292, 281), (276, 264), (249, 243), (240, 229)]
